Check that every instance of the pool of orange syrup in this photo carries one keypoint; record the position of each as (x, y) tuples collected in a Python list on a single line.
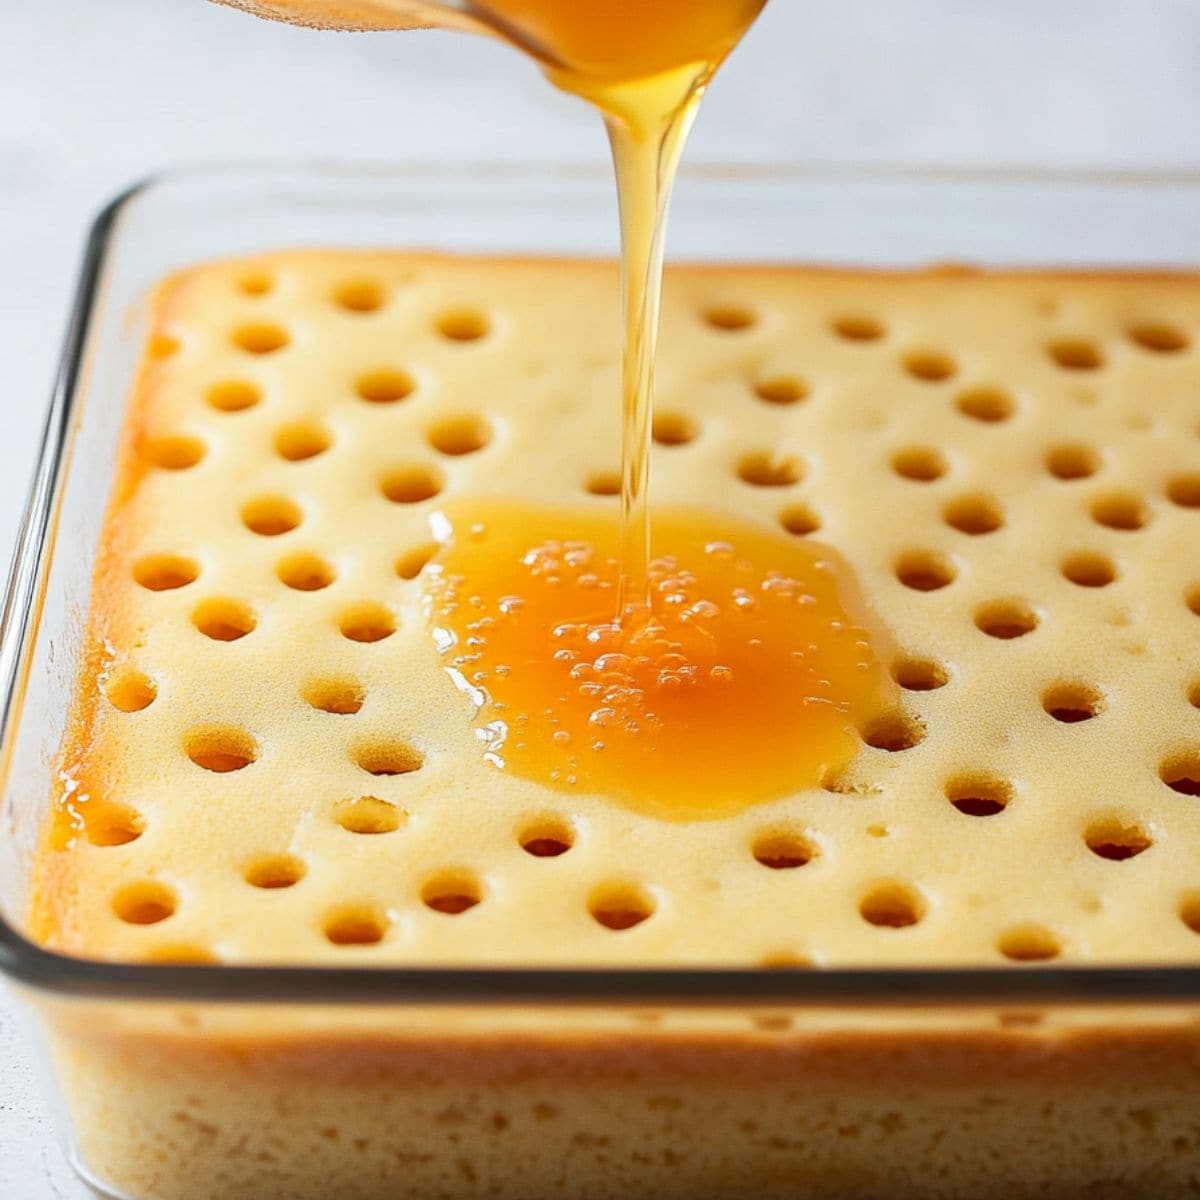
[(745, 678)]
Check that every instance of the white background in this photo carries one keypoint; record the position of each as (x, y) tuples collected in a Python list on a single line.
[(97, 93)]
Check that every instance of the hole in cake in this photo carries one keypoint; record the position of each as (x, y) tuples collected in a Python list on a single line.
[(359, 296), (1088, 569), (224, 620), (355, 925), (305, 572), (1181, 773), (411, 485), (858, 327), (894, 733), (925, 571), (385, 386), (989, 405), (836, 783), (781, 389), (546, 837), (273, 871), (367, 622), (1029, 943), (463, 325), (799, 520), (921, 464), (780, 850), (892, 905), (234, 395), (604, 483), (979, 795), (920, 674), (457, 436), (1072, 703), (145, 903), (1006, 619), (1194, 694), (130, 691), (269, 516), (1158, 337), (769, 470), (451, 893), (974, 515), (162, 345), (260, 337), (412, 562), (176, 452), (1076, 354), (255, 283), (1072, 462), (387, 758), (674, 429), (302, 440), (1116, 840), (786, 961), (1121, 511), (1192, 598), (220, 748), (1184, 490), (369, 815), (1189, 913), (181, 954), (343, 697), (730, 318), (165, 572), (930, 366), (113, 825), (621, 906)]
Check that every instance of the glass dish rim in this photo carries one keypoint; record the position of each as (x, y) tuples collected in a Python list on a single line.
[(33, 966)]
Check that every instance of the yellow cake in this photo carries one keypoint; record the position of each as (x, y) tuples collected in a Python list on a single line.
[(268, 763)]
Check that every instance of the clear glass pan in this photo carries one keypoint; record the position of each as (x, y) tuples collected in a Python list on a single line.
[(160, 1030)]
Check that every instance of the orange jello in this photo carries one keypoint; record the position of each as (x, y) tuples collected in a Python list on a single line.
[(745, 678)]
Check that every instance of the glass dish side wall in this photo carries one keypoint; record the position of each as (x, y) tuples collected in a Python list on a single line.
[(187, 1102)]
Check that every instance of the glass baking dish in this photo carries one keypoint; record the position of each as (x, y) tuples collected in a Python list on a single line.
[(192, 1081)]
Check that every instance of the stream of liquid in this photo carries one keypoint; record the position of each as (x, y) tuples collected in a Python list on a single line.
[(645, 66)]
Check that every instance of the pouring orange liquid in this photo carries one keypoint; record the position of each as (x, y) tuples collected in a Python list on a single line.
[(725, 665), (645, 66), (742, 680)]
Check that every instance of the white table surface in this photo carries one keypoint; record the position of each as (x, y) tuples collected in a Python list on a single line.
[(96, 93)]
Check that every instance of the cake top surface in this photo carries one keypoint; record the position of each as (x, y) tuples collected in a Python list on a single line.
[(269, 763)]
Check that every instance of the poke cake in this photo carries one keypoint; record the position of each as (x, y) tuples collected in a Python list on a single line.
[(303, 732)]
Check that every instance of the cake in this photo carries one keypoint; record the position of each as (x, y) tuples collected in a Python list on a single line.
[(267, 763)]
